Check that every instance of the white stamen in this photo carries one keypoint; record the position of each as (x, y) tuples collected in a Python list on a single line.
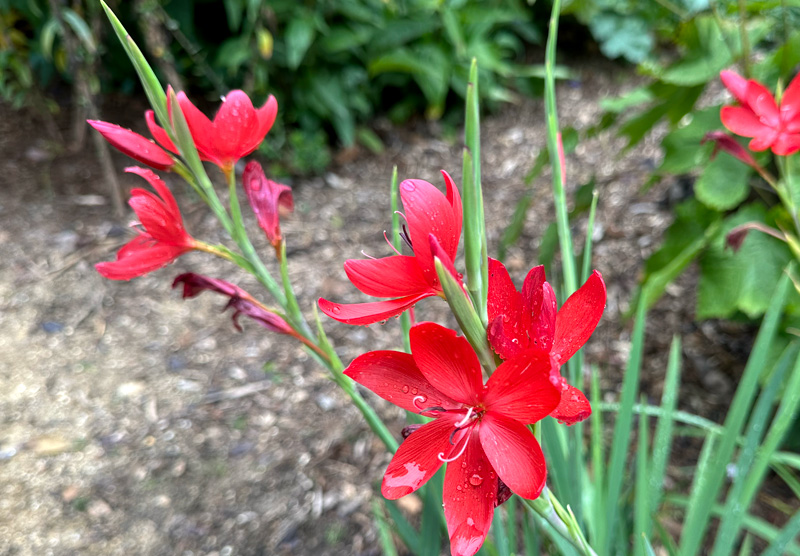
[(419, 399), (466, 418), (454, 458), (367, 256)]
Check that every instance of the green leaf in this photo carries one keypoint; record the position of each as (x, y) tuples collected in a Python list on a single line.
[(617, 467), (723, 183), (299, 35), (80, 28), (743, 280), (384, 530), (708, 485), (682, 148), (403, 528), (622, 36)]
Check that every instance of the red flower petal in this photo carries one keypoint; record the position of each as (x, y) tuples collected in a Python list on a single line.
[(369, 313), (786, 144), (394, 376), (158, 132), (736, 84), (236, 127), (428, 211), (455, 202), (394, 276), (265, 196), (521, 389), (761, 101), (266, 117), (417, 459), (470, 491), (200, 127), (742, 121), (790, 101), (160, 187), (134, 145), (578, 317), (543, 323), (447, 361), (504, 308), (138, 257), (514, 453), (573, 406)]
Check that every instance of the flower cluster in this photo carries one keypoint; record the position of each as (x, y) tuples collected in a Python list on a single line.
[(478, 428), (479, 411)]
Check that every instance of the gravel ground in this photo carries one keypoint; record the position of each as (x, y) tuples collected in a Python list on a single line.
[(134, 422)]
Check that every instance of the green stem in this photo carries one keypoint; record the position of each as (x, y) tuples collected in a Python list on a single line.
[(239, 235), (744, 38), (292, 307), (561, 520)]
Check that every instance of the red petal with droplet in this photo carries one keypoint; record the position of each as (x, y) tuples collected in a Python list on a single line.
[(369, 313), (521, 389), (573, 407), (505, 311), (394, 376), (514, 453), (578, 317), (417, 459), (470, 491), (428, 211), (447, 361), (395, 276)]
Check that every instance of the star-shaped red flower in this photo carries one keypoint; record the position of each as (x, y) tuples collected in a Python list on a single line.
[(758, 115), (478, 429), (529, 320), (406, 278)]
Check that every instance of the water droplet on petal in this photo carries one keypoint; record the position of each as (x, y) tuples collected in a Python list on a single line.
[(405, 389), (476, 480), (337, 309), (415, 391), (409, 186)]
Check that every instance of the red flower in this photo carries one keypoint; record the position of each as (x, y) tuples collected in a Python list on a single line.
[(759, 116), (529, 320), (241, 301), (406, 278), (134, 145), (266, 196), (162, 238), (479, 429), (237, 129)]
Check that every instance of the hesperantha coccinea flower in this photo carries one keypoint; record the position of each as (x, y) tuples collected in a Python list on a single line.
[(406, 278), (530, 320), (479, 430), (237, 129), (136, 146), (161, 238), (771, 125), (266, 199)]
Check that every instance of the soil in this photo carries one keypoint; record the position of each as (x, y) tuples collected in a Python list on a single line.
[(134, 422)]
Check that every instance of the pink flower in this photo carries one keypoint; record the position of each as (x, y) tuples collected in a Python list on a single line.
[(759, 116), (266, 197), (478, 429), (529, 321), (407, 279), (134, 145), (162, 238), (237, 129)]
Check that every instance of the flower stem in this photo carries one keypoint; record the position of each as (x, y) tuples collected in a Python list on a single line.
[(563, 521), (239, 235)]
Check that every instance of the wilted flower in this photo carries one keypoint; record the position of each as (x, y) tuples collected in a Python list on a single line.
[(266, 197)]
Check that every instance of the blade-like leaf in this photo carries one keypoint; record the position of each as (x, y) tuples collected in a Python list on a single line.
[(705, 495), (641, 506)]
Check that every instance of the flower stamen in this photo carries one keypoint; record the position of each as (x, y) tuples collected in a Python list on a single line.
[(390, 243), (458, 455)]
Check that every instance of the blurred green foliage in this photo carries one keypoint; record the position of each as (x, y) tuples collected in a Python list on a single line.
[(726, 192), (332, 64)]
